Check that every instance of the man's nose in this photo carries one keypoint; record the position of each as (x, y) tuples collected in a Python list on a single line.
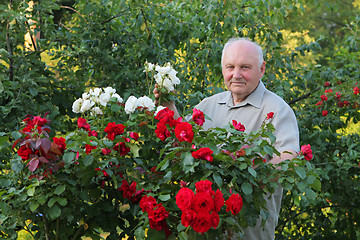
[(237, 73)]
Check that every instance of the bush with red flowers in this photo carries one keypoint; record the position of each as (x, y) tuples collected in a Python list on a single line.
[(134, 170)]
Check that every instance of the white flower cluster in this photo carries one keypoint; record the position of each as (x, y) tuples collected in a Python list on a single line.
[(93, 99), (132, 103), (165, 76)]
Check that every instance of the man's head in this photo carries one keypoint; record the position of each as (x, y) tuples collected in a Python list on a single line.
[(242, 66)]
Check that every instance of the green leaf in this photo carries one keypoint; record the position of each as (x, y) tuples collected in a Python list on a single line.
[(300, 171), (69, 157), (164, 198), (252, 171), (60, 189), (167, 176), (34, 205), (217, 178), (62, 201), (246, 188), (17, 166), (268, 150), (310, 194), (30, 192), (183, 236), (51, 202), (134, 149), (54, 212), (88, 160)]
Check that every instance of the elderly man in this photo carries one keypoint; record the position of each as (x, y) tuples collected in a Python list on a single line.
[(248, 101)]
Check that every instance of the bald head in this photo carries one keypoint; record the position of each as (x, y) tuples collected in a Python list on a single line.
[(244, 41)]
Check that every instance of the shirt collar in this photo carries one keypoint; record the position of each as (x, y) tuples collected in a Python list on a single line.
[(254, 99)]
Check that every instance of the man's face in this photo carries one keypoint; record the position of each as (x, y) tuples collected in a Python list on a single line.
[(240, 69)]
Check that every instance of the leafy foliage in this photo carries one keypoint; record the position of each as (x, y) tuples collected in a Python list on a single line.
[(81, 44)]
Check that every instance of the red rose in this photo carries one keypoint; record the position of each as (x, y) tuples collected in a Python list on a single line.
[(338, 95), (184, 198), (307, 152), (24, 152), (39, 121), (198, 117), (122, 148), (166, 115), (184, 132), (270, 115), (158, 213), (324, 113), (202, 222), (238, 126), (324, 97), (203, 202), (215, 220), (203, 153), (234, 204), (92, 133), (327, 84), (218, 200), (147, 202), (89, 148), (187, 217), (161, 130), (134, 135), (83, 124), (356, 90), (113, 129), (106, 151), (204, 186), (128, 191), (60, 142)]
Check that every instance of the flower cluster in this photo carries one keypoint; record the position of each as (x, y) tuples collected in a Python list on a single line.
[(156, 213), (37, 150), (94, 99), (201, 210), (331, 96), (165, 76), (306, 152), (134, 103)]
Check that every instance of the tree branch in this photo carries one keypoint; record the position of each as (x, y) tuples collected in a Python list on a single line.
[(9, 49), (305, 95)]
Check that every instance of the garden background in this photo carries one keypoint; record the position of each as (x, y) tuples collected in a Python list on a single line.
[(312, 56)]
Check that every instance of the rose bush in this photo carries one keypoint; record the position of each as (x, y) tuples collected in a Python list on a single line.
[(133, 170)]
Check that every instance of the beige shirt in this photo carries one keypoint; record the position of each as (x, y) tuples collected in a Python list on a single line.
[(251, 113)]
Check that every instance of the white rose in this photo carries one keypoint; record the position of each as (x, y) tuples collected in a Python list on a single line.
[(96, 111), (104, 98), (167, 83), (172, 75), (109, 90), (85, 95), (163, 70), (77, 105), (117, 96), (131, 105), (95, 92), (149, 67), (87, 104), (146, 102)]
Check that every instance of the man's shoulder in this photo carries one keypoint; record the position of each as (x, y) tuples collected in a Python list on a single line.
[(273, 99)]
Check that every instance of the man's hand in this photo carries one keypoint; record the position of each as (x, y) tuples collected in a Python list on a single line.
[(170, 105)]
